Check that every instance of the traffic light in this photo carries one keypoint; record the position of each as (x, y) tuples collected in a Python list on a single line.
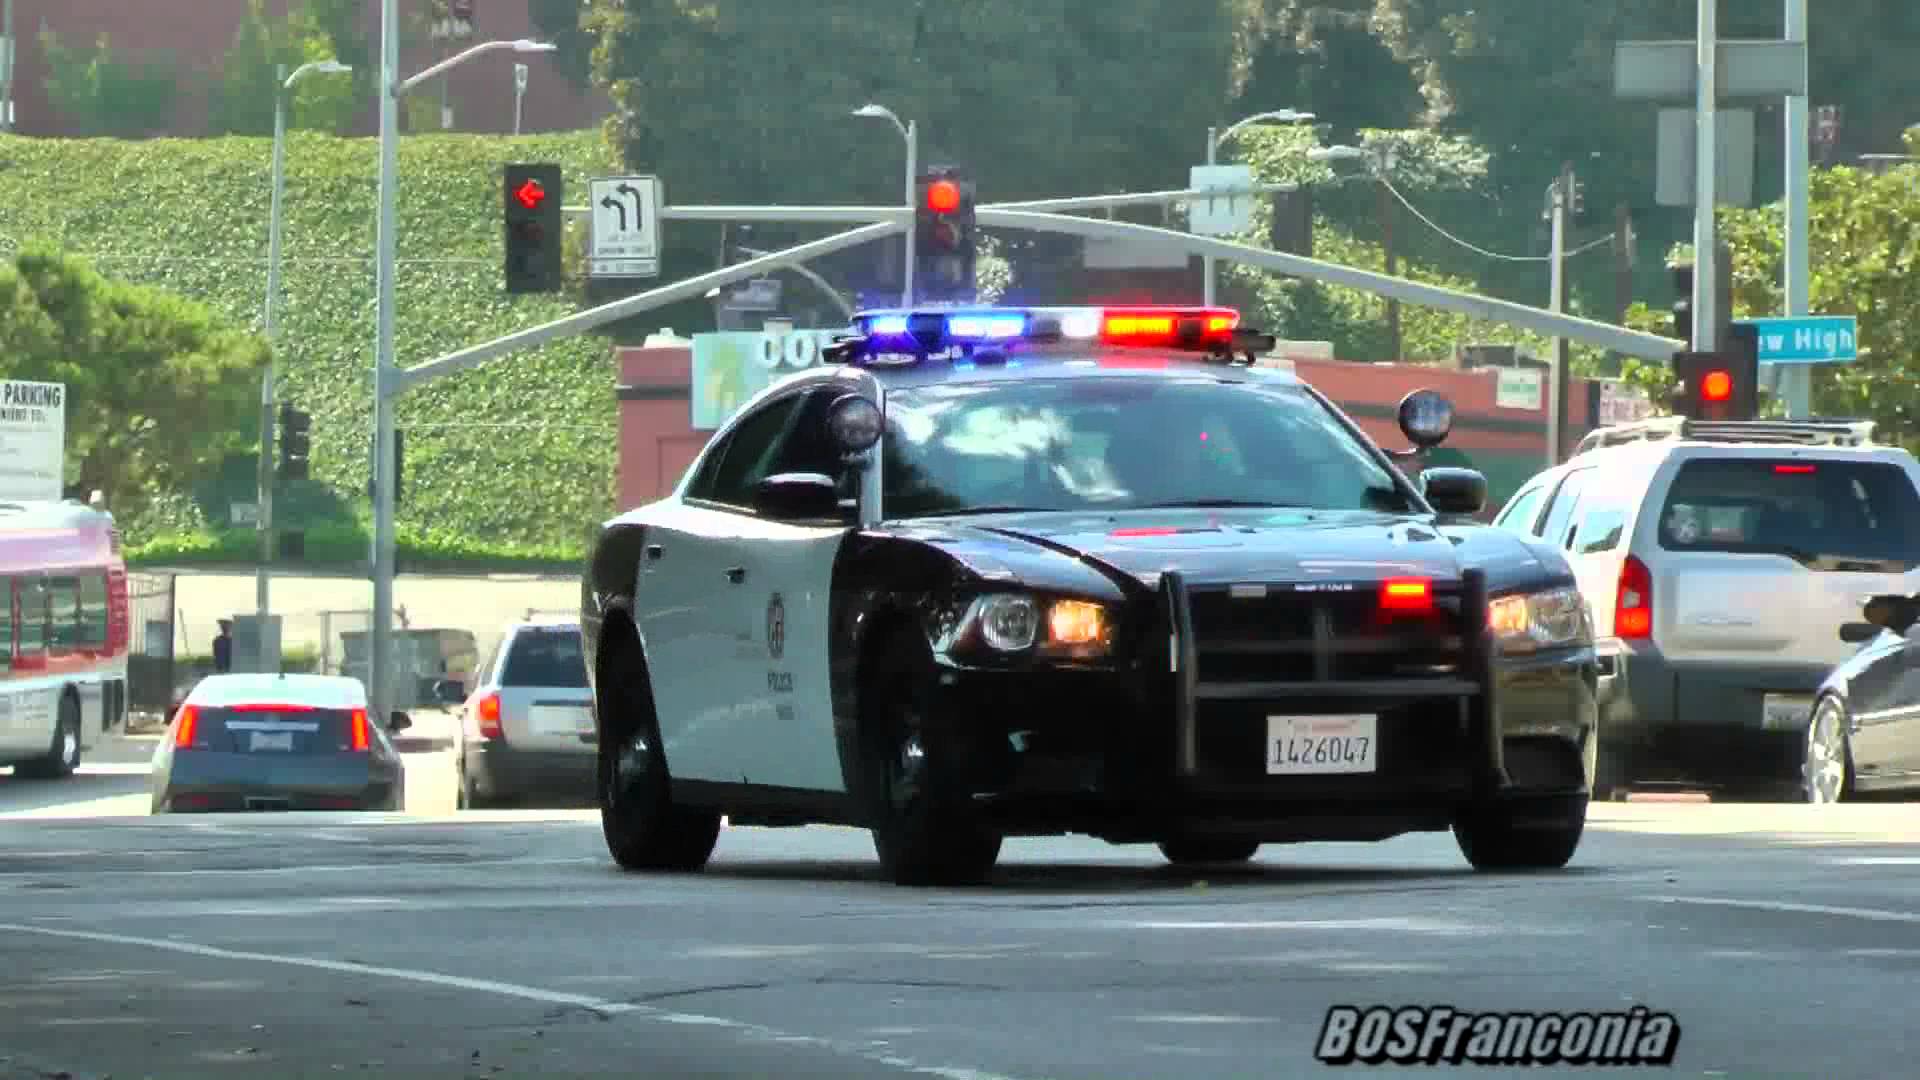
[(1720, 386), (296, 442), (533, 228), (399, 462), (1723, 303), (1683, 301), (944, 237)]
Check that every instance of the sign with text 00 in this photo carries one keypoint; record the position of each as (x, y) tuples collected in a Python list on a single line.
[(730, 367)]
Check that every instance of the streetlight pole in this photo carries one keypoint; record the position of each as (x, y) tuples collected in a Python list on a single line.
[(1214, 138), (385, 384), (283, 88), (910, 131)]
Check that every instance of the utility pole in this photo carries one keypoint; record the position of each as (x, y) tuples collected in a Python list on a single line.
[(1559, 199), (1795, 383), (1622, 262), (1706, 176), (1387, 215), (6, 61)]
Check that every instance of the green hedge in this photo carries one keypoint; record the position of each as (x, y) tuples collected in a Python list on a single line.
[(420, 550), (519, 452)]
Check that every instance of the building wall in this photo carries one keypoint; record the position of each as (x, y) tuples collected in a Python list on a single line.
[(657, 439), (198, 34)]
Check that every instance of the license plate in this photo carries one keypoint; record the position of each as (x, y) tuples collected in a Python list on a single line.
[(561, 719), (1786, 712), (270, 740), (1310, 745)]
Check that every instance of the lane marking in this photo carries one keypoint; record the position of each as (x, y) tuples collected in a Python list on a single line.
[(1874, 914), (597, 1005), (450, 864)]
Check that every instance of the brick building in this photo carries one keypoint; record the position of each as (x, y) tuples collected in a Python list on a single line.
[(198, 33)]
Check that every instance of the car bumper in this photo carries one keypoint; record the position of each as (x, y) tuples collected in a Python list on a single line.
[(230, 783), (1679, 720), (500, 770), (1148, 755)]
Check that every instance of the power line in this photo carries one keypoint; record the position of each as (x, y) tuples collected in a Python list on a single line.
[(1477, 249)]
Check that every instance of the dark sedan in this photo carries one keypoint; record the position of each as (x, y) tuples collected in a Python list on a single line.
[(1864, 733), (278, 742)]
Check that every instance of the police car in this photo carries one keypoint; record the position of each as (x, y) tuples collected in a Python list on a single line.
[(1101, 571)]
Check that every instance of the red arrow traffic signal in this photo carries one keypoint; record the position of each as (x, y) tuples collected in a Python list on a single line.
[(530, 194)]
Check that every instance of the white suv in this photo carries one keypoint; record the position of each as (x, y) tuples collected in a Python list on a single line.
[(1719, 559)]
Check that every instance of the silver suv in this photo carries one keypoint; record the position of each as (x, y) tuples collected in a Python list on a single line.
[(1719, 559), (526, 728)]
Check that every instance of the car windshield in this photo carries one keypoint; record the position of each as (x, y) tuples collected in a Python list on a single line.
[(1117, 443)]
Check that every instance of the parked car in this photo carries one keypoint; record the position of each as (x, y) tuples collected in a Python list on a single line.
[(1720, 560), (526, 727)]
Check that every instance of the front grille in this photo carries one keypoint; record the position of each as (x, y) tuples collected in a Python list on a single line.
[(1289, 636), (1242, 651)]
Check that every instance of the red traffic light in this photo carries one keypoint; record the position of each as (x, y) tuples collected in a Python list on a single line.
[(530, 194), (943, 196), (1716, 386)]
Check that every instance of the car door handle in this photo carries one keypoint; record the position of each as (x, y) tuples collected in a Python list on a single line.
[(736, 574), (654, 551)]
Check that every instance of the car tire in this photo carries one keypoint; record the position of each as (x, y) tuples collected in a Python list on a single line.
[(925, 829), (644, 830), (62, 758), (1826, 765), (1193, 850), (1524, 834)]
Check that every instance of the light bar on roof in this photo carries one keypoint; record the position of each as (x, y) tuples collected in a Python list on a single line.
[(1169, 327)]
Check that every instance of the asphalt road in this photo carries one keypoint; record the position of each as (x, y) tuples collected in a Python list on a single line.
[(1786, 941)]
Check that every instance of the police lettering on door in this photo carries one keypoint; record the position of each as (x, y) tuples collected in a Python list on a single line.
[(780, 682)]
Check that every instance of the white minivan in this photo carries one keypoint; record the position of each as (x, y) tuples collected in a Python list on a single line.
[(1720, 559)]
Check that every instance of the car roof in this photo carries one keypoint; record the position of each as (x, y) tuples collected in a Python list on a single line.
[(557, 622), (321, 691)]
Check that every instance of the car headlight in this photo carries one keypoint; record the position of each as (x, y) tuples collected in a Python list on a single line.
[(1060, 627), (1541, 620)]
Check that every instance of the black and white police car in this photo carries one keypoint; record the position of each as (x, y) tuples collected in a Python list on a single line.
[(1043, 571)]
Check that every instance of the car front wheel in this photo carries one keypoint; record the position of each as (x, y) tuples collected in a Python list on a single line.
[(643, 828), (1524, 834), (1826, 767)]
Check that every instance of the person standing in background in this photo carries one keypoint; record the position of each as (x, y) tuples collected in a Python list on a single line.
[(223, 648)]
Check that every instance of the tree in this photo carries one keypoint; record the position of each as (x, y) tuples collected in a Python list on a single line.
[(561, 22), (152, 378), (101, 92), (1864, 230), (243, 101)]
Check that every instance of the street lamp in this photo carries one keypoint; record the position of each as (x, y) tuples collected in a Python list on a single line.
[(392, 88), (911, 133), (1339, 153), (1214, 138), (282, 90)]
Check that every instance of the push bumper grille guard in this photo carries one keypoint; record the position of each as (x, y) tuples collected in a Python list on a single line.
[(1474, 684)]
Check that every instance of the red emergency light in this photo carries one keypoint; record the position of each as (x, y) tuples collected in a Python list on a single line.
[(1167, 326)]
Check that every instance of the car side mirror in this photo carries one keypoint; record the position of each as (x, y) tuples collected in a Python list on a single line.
[(1858, 633), (449, 691), (1892, 612), (790, 496), (399, 721), (1454, 491)]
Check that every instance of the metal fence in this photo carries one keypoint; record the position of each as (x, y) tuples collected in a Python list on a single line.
[(150, 624)]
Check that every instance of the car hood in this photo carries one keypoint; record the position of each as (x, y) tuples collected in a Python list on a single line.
[(1242, 545)]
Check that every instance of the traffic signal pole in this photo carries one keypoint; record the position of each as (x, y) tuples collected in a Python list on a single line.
[(1706, 175)]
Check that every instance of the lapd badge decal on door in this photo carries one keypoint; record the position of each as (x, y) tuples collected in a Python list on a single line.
[(776, 626)]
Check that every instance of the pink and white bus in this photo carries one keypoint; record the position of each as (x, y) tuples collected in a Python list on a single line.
[(64, 635)]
